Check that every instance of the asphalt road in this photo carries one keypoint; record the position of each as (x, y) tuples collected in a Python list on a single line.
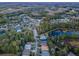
[(36, 39)]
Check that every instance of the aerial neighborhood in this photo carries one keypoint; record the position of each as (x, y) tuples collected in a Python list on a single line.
[(39, 29)]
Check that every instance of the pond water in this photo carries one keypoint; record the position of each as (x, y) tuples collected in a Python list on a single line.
[(59, 33)]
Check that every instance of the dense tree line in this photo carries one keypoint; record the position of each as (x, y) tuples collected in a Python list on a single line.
[(13, 43)]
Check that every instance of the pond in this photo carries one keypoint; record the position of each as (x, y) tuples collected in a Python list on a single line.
[(60, 33)]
